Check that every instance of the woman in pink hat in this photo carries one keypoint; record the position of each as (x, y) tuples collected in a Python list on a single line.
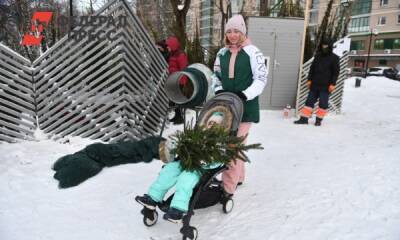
[(240, 68)]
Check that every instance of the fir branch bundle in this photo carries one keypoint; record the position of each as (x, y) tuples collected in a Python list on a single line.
[(198, 147)]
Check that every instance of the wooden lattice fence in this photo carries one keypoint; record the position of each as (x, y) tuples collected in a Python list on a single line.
[(108, 89)]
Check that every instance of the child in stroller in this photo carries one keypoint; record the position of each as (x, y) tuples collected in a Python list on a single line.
[(225, 110)]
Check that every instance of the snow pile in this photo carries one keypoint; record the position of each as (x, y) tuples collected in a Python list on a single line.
[(339, 181)]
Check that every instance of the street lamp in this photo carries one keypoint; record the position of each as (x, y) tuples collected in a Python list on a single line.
[(371, 32)]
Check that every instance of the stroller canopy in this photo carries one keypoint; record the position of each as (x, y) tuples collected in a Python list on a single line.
[(229, 104)]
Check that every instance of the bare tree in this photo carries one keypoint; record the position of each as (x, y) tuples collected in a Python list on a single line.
[(194, 49), (347, 17), (180, 9), (264, 7), (291, 9), (225, 8), (157, 17), (322, 29), (16, 21), (21, 17)]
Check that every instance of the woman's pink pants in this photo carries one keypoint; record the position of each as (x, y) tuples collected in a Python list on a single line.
[(235, 173)]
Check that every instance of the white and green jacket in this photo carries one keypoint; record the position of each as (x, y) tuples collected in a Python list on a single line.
[(250, 77)]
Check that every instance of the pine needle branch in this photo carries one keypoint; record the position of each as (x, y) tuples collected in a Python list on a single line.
[(198, 147)]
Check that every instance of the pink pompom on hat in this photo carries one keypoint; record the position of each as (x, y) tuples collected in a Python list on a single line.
[(236, 22)]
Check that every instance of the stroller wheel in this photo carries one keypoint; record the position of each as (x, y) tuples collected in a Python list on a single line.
[(150, 219), (192, 236), (227, 205)]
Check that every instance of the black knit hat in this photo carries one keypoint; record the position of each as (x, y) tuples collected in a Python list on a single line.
[(326, 41)]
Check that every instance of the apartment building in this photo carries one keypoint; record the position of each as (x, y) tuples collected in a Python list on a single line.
[(375, 33), (372, 21), (206, 16), (317, 12), (203, 17)]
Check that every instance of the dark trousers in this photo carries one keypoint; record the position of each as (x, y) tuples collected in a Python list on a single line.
[(178, 110), (314, 95)]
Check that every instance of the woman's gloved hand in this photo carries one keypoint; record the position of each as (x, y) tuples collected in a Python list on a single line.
[(241, 95), (220, 91)]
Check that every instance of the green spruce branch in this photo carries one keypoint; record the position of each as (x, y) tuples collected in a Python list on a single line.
[(198, 146)]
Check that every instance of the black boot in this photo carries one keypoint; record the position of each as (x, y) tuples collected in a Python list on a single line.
[(146, 201), (302, 120), (226, 196), (174, 215), (177, 119), (318, 121)]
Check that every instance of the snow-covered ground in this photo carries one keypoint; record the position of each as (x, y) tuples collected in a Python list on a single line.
[(339, 181)]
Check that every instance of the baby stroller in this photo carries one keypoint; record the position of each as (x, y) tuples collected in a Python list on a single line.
[(208, 191)]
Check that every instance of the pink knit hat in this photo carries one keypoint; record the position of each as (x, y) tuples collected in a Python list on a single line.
[(236, 22)]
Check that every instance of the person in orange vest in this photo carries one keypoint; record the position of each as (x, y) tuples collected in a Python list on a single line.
[(322, 77)]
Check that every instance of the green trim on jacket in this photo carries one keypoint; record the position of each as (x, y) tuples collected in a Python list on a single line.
[(243, 78)]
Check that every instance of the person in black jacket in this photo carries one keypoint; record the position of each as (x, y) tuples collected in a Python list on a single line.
[(322, 77)]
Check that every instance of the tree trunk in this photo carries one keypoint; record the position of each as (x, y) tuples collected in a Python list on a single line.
[(180, 19), (264, 5), (324, 25), (347, 19), (226, 13)]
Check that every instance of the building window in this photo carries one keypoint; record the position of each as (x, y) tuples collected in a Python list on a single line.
[(384, 2), (382, 20), (205, 24), (361, 7), (396, 43), (357, 45), (359, 63), (314, 4), (379, 44), (206, 4), (359, 25), (390, 43), (382, 62), (398, 19), (314, 17)]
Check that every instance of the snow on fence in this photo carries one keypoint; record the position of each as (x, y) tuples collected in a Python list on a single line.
[(335, 100), (17, 108), (108, 89)]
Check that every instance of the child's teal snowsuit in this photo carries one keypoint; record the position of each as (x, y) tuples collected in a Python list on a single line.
[(184, 181)]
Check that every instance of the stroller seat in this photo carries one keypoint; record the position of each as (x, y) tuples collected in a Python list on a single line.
[(209, 192), (206, 193)]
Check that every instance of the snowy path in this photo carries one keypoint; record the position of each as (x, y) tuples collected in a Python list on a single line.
[(340, 181)]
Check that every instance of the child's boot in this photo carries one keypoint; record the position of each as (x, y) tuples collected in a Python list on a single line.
[(146, 201), (174, 215)]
